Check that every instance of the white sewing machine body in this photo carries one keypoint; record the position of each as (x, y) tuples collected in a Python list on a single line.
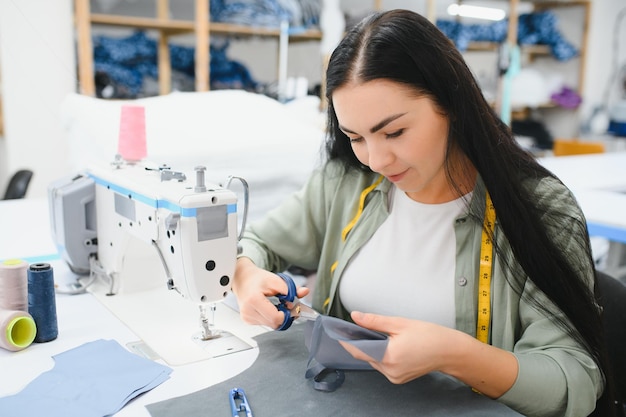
[(194, 231), (191, 227)]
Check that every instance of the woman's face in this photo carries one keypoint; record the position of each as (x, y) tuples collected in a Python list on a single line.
[(397, 134)]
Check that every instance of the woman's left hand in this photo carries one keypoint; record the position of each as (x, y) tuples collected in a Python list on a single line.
[(415, 347)]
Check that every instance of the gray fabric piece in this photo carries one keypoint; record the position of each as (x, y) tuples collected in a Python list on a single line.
[(275, 386), (327, 356), (322, 336)]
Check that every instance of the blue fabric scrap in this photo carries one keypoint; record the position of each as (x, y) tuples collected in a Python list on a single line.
[(267, 13), (127, 61), (462, 34), (533, 29), (541, 29), (95, 379)]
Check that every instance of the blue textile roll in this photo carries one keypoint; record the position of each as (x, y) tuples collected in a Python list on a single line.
[(42, 302)]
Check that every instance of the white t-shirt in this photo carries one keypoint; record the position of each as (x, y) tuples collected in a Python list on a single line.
[(407, 268)]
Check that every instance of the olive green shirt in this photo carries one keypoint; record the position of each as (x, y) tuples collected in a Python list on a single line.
[(557, 377)]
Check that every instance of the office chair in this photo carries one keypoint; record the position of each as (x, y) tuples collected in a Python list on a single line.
[(18, 184), (613, 301)]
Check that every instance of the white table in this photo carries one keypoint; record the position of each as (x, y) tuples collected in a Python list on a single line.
[(81, 318), (84, 318), (605, 171), (599, 183)]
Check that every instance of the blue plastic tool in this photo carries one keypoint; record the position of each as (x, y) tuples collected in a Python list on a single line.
[(239, 403)]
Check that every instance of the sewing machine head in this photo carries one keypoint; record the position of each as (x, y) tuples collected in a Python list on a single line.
[(189, 227)]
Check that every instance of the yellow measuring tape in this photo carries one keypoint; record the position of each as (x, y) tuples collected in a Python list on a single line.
[(484, 273)]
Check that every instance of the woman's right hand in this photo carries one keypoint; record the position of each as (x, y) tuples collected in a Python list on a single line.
[(252, 286)]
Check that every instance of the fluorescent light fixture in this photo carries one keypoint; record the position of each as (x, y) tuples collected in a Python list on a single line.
[(478, 12)]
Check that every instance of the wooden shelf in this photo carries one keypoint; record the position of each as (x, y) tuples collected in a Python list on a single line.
[(493, 46), (168, 26), (542, 50), (586, 6), (201, 27), (175, 27), (559, 3)]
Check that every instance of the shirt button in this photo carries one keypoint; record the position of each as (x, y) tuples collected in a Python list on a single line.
[(462, 281)]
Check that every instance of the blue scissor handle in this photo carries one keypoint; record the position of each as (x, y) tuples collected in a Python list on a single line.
[(290, 297)]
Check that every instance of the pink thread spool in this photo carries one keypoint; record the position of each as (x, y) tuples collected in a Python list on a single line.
[(132, 140), (14, 285), (17, 327)]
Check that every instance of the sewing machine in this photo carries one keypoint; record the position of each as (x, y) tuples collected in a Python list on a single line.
[(111, 219)]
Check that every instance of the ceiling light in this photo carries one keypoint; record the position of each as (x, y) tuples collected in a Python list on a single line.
[(477, 12)]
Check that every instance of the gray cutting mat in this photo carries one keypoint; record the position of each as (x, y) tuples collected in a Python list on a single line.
[(275, 386)]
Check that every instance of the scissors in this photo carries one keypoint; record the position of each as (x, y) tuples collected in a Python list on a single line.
[(297, 309)]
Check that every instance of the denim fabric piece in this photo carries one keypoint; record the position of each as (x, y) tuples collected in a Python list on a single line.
[(542, 29), (93, 380), (128, 61), (267, 13), (533, 29), (462, 34)]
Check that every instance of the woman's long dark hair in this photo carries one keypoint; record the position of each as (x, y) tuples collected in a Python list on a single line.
[(404, 47)]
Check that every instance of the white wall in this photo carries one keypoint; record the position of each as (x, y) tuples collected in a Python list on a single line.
[(38, 70)]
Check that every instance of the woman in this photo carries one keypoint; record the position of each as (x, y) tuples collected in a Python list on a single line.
[(397, 221)]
